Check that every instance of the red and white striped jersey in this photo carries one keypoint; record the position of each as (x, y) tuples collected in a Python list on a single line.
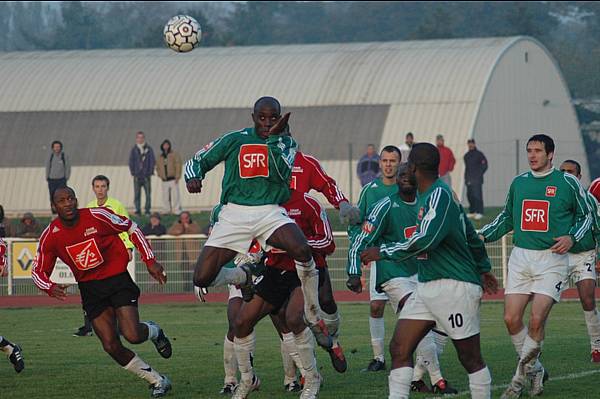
[(310, 216), (92, 248), (307, 174)]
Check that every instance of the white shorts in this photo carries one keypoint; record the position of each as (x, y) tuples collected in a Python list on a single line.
[(234, 292), (582, 266), (373, 294), (398, 288), (536, 272), (238, 225), (453, 305)]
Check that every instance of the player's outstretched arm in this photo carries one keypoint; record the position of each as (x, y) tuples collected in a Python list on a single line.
[(205, 160)]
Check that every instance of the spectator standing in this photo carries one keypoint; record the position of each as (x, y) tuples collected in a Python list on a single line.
[(154, 228), (58, 168), (29, 227), (407, 146), (4, 224), (168, 169), (475, 166), (368, 166), (141, 166), (447, 160)]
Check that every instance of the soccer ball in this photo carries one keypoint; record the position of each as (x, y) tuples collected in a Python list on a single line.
[(182, 33)]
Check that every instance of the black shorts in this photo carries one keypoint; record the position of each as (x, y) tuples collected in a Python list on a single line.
[(115, 291), (275, 286)]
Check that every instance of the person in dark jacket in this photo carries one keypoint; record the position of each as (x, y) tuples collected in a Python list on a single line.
[(141, 166), (475, 166), (154, 228), (58, 168), (368, 166)]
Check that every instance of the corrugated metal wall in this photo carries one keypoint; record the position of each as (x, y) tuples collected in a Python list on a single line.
[(427, 87)]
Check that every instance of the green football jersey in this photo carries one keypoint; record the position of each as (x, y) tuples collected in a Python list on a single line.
[(257, 170), (592, 237), (369, 195), (389, 220), (445, 242), (541, 207)]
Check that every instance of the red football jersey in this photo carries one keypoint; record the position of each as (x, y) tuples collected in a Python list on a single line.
[(310, 216), (2, 253), (92, 248), (307, 174)]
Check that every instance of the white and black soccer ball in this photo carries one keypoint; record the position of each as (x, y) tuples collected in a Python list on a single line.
[(182, 33)]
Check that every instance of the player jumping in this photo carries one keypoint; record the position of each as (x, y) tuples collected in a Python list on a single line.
[(453, 265), (547, 211), (258, 167), (87, 240)]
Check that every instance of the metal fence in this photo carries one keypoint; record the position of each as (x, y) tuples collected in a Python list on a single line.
[(178, 255)]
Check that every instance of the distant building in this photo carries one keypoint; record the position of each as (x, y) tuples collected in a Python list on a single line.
[(496, 90)]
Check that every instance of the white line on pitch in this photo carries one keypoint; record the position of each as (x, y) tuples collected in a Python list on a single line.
[(571, 376)]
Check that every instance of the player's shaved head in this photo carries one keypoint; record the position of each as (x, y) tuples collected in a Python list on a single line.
[(271, 102), (60, 190), (426, 158)]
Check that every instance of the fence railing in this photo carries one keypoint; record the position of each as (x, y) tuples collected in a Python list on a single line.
[(178, 255)]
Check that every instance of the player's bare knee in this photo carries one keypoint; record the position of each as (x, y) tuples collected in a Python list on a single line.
[(588, 303), (513, 323), (134, 336), (536, 325), (242, 327), (399, 351), (112, 347), (377, 309), (295, 321), (301, 252), (201, 279)]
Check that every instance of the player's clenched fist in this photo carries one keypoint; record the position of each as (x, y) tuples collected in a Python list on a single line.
[(194, 186), (58, 291), (490, 283), (354, 284), (370, 255), (158, 272)]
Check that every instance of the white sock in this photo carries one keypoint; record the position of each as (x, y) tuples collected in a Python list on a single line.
[(305, 345), (235, 276), (480, 384), (288, 346), (440, 342), (399, 382), (153, 330), (5, 346), (530, 353), (244, 348), (229, 362), (427, 354), (140, 368), (309, 277), (419, 369), (377, 328), (593, 326), (518, 340), (332, 321)]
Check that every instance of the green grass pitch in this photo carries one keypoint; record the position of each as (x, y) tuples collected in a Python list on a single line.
[(59, 365)]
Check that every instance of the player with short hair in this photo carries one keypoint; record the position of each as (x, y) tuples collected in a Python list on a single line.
[(548, 213), (452, 262), (12, 351), (280, 284), (389, 220), (582, 266), (258, 168), (87, 240), (100, 186)]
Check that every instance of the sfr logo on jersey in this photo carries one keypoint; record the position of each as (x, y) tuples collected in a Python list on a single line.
[(254, 161), (409, 231), (85, 255), (534, 215), (550, 191)]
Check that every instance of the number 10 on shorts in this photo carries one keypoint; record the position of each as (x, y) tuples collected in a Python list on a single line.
[(456, 320)]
